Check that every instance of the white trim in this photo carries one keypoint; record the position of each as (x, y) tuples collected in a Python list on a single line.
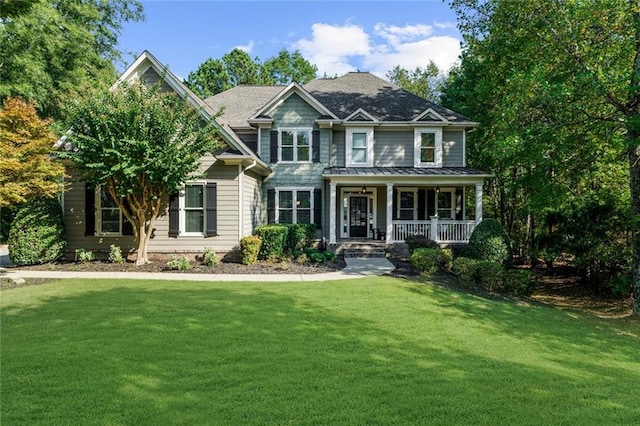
[(414, 209), (182, 217), (98, 215), (417, 132), (452, 198), (240, 200), (372, 206), (356, 113), (368, 131), (285, 93), (294, 190), (430, 111), (464, 148), (295, 131)]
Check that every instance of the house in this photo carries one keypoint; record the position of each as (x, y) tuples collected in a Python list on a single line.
[(358, 156)]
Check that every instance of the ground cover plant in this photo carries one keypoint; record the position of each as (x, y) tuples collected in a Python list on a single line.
[(377, 350)]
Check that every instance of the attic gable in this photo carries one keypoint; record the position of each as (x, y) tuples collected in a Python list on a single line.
[(429, 115), (360, 115), (293, 88)]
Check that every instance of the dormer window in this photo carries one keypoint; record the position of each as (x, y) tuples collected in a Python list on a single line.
[(428, 147), (359, 147)]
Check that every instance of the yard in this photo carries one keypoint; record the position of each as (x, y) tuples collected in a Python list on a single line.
[(377, 350)]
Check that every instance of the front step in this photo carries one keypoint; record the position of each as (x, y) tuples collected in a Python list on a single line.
[(364, 250)]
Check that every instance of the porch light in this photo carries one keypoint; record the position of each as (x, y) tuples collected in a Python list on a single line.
[(364, 189), (437, 189)]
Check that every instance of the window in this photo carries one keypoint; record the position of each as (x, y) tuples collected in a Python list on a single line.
[(194, 208), (193, 211), (428, 147), (359, 147), (446, 205), (406, 204), (108, 214), (295, 145), (295, 206)]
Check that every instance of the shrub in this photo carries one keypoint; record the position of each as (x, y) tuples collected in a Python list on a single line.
[(274, 238), (209, 257), (330, 255), (317, 257), (302, 259), (518, 282), (463, 250), (465, 268), (299, 236), (445, 258), (420, 241), (178, 263), (249, 249), (491, 242), (489, 274), (84, 256), (115, 254), (37, 233), (425, 260)]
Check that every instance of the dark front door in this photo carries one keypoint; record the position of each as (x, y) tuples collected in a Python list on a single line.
[(358, 217)]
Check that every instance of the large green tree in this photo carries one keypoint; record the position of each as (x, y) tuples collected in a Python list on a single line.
[(288, 67), (142, 145), (425, 82), (556, 86), (54, 50)]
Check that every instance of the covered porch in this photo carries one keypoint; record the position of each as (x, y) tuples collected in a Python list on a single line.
[(388, 205)]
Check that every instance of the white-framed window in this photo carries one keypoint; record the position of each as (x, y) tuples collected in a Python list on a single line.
[(108, 214), (192, 208), (446, 204), (406, 203), (294, 205), (359, 147), (428, 147), (294, 145)]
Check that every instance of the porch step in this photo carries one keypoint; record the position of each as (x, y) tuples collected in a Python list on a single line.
[(364, 250)]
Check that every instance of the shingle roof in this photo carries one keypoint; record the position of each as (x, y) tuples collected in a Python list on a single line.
[(241, 102), (402, 171), (384, 100)]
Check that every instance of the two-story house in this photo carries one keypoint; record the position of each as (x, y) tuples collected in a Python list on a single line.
[(358, 156)]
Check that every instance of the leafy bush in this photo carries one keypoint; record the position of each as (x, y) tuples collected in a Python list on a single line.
[(518, 282), (209, 257), (420, 241), (463, 250), (178, 263), (302, 258), (37, 233), (489, 274), (445, 258), (274, 238), (465, 268), (299, 236), (425, 260), (491, 242), (317, 257), (249, 249), (115, 254), (330, 255), (84, 256)]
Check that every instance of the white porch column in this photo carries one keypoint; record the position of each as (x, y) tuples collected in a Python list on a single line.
[(389, 213), (434, 229), (332, 212), (478, 202)]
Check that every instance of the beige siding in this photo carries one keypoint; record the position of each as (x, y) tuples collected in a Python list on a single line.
[(252, 213), (151, 77), (452, 149), (393, 149)]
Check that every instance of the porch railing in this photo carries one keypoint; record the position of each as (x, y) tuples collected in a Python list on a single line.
[(441, 231)]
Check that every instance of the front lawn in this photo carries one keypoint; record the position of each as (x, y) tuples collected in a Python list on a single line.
[(377, 350)]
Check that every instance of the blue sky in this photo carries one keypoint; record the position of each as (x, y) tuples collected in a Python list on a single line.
[(337, 36)]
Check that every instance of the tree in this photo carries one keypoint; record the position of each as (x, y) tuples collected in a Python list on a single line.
[(425, 82), (288, 67), (54, 50), (564, 90), (27, 170), (142, 145)]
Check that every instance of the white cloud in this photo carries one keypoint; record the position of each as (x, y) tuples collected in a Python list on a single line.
[(247, 47), (339, 49)]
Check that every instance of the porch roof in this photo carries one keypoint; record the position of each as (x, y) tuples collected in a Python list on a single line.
[(403, 171)]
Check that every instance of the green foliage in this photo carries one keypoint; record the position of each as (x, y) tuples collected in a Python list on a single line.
[(274, 238), (84, 256), (489, 274), (330, 255), (249, 249), (317, 258), (301, 258), (491, 242), (54, 50), (465, 268), (299, 236), (115, 254), (178, 263), (519, 282), (445, 258), (425, 260), (37, 234), (463, 250), (419, 241), (209, 257), (288, 67), (424, 82)]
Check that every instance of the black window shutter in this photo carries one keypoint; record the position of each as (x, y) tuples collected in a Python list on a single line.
[(315, 146), (273, 146), (271, 206), (459, 201), (317, 207), (394, 202), (421, 204), (212, 210), (89, 209), (174, 214), (127, 227), (431, 203)]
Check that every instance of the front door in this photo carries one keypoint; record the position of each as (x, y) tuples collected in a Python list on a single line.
[(358, 216)]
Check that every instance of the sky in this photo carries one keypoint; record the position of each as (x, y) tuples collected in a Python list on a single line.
[(336, 36)]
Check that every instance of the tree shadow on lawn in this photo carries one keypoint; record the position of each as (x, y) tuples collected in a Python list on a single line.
[(280, 354)]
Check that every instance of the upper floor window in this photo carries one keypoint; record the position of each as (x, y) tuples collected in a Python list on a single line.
[(428, 147), (359, 147), (108, 214), (295, 206), (295, 145)]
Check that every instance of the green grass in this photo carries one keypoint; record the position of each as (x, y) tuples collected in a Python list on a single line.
[(368, 351)]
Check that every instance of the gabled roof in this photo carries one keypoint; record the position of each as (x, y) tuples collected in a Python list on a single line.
[(383, 100), (360, 115), (241, 102), (284, 94), (146, 61)]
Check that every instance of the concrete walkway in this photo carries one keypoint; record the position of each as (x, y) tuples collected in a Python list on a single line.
[(356, 268)]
